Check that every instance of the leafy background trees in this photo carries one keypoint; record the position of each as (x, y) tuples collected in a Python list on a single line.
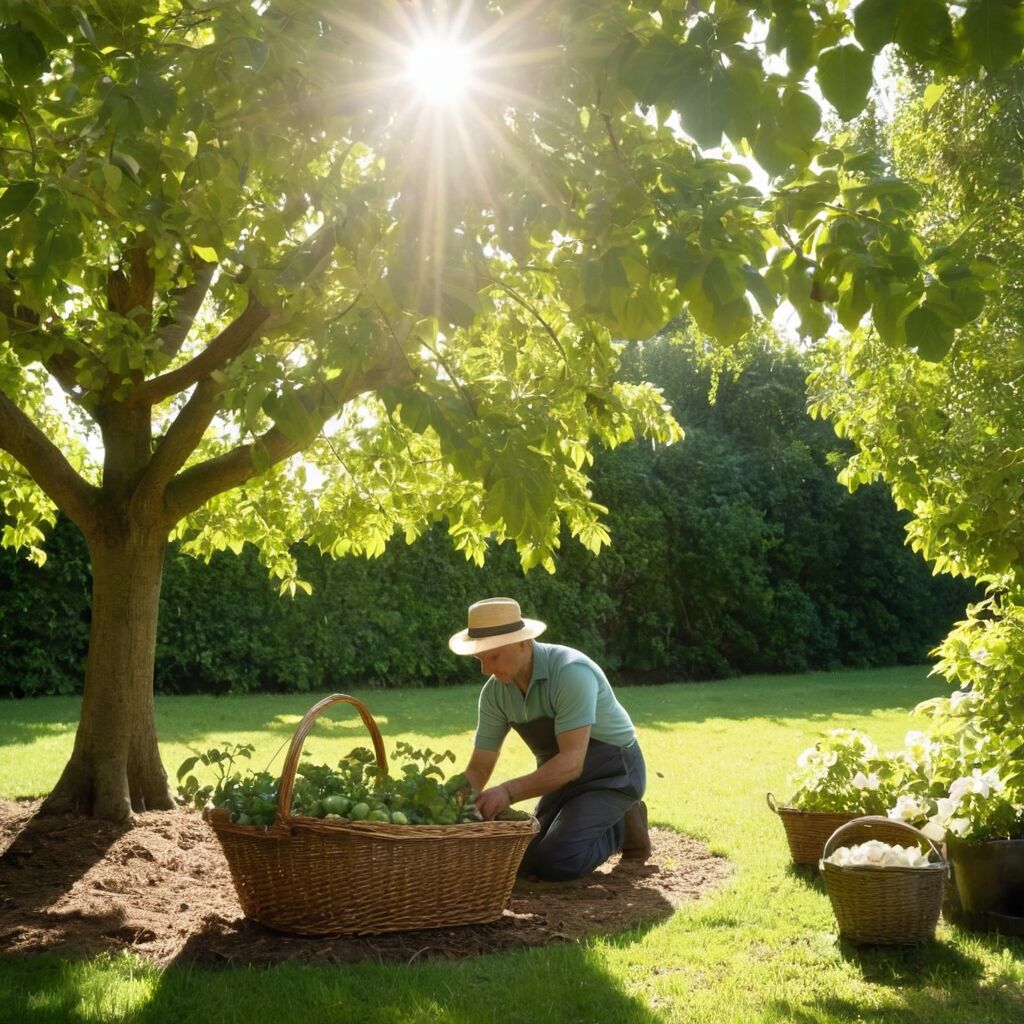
[(736, 551)]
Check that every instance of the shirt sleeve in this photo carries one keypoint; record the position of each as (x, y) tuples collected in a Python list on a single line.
[(491, 724), (575, 698)]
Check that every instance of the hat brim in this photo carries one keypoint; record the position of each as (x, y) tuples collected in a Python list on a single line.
[(463, 643)]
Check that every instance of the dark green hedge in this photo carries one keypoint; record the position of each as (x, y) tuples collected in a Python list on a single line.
[(735, 551)]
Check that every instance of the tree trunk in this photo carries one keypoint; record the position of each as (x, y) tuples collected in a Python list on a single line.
[(115, 767)]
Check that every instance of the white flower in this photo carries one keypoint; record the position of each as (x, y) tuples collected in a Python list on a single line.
[(958, 697), (908, 808), (862, 781), (960, 788), (807, 757), (986, 782), (877, 854), (918, 745), (933, 830), (982, 783), (959, 826), (982, 655)]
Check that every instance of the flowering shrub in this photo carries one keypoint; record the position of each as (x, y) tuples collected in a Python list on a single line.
[(964, 779), (978, 806), (876, 854), (844, 773)]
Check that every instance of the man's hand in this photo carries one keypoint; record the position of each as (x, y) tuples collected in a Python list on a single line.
[(491, 802)]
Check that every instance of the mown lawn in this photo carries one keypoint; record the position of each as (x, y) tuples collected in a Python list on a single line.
[(762, 949)]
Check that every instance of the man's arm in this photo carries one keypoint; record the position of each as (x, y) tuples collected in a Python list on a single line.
[(481, 765), (565, 766)]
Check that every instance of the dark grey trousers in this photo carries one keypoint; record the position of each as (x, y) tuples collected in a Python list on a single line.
[(584, 833), (581, 823)]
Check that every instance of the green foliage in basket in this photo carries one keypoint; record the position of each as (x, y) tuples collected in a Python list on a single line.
[(356, 790), (845, 773), (249, 797)]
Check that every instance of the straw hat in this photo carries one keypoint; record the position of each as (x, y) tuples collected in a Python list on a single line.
[(494, 623)]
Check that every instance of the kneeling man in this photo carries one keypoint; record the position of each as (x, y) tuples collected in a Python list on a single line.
[(590, 771)]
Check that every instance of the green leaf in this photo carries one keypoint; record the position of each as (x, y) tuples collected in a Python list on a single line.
[(702, 107), (933, 93), (994, 31), (799, 119), (205, 253), (845, 77), (929, 333), (798, 36), (875, 23), (15, 198), (23, 54), (723, 281), (260, 456), (417, 411), (767, 301), (127, 163), (924, 30), (744, 85), (853, 302), (112, 176), (291, 417)]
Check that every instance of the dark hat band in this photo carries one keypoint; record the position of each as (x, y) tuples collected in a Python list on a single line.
[(476, 633)]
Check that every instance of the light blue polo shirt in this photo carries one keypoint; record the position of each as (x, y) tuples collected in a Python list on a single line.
[(565, 685)]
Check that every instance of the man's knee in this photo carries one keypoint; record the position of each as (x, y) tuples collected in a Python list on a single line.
[(555, 858)]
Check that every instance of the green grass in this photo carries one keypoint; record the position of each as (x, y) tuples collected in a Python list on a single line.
[(761, 949)]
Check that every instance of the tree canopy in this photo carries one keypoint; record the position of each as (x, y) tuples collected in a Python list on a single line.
[(233, 232)]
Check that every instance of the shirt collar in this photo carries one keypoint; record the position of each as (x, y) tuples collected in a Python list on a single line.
[(540, 664)]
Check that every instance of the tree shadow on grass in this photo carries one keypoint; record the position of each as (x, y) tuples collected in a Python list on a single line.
[(943, 964), (567, 984), (993, 1001)]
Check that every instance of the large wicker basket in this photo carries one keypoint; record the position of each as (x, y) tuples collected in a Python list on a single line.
[(309, 876), (884, 905)]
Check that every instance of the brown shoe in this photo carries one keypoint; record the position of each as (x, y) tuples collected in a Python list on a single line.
[(636, 845)]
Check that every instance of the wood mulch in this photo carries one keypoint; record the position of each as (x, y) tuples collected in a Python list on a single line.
[(162, 889)]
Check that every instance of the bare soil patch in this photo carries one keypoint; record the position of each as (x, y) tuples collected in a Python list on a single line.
[(162, 888)]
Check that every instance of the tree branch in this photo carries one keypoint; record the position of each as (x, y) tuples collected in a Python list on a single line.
[(196, 485), (60, 365), (46, 464), (175, 326), (239, 335), (177, 444), (530, 308)]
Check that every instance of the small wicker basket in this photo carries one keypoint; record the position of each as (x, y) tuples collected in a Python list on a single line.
[(807, 831), (309, 876), (884, 905)]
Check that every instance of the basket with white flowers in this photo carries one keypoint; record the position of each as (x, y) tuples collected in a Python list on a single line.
[(882, 891), (840, 778)]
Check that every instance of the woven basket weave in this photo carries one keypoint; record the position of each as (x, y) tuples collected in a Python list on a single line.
[(884, 905), (807, 831), (309, 876)]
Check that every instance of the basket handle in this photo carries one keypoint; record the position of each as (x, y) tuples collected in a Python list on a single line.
[(879, 819), (291, 762), (772, 802)]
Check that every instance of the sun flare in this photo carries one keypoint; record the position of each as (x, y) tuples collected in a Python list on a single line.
[(440, 69)]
